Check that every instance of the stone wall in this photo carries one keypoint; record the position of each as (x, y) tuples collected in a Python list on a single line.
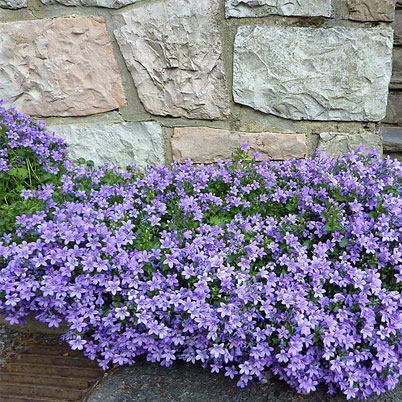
[(151, 81), (392, 127)]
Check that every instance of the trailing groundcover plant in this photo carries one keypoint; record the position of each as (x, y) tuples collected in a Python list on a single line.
[(245, 266), (29, 157)]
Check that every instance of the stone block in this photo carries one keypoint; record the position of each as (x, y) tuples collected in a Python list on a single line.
[(120, 144), (397, 61), (207, 145), (338, 144), (371, 10), (392, 139), (394, 109), (173, 51), (59, 67), (13, 4), (92, 3), (309, 73), (397, 25), (263, 8)]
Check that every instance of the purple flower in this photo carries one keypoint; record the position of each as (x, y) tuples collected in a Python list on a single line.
[(292, 266)]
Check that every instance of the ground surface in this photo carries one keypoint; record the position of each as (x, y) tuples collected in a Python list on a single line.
[(41, 368), (182, 382)]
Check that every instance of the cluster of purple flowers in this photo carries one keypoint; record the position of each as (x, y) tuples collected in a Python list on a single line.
[(243, 266), (21, 140), (29, 157)]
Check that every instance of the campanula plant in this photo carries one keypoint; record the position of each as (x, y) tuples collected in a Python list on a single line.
[(244, 266), (29, 157)]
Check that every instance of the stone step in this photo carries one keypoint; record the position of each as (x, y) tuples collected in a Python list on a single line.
[(15, 398), (56, 360), (47, 373), (41, 391), (51, 350), (35, 379), (51, 370)]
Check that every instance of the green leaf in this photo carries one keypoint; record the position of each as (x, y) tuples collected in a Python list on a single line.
[(344, 242), (218, 220), (20, 173)]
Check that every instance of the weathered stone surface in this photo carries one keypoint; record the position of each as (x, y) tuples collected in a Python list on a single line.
[(392, 139), (92, 3), (13, 4), (397, 25), (313, 73), (394, 109), (338, 144), (7, 339), (173, 51), (397, 61), (59, 67), (262, 8), (207, 145), (396, 82), (371, 10), (121, 144)]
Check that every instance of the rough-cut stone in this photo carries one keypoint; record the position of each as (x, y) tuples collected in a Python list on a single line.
[(371, 10), (207, 145), (173, 51), (262, 8), (13, 4), (392, 139), (338, 144), (7, 339), (59, 67), (394, 109), (397, 61), (92, 3), (313, 73), (397, 25), (121, 144)]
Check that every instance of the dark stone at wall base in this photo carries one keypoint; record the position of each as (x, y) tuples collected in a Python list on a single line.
[(393, 155), (397, 25), (397, 61), (394, 108), (392, 139), (185, 382)]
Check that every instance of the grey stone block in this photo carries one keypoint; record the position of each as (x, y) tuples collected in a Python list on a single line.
[(338, 144), (173, 51), (371, 10), (13, 4), (394, 109), (397, 61), (263, 8), (121, 144), (92, 3), (392, 139), (300, 73), (397, 25)]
